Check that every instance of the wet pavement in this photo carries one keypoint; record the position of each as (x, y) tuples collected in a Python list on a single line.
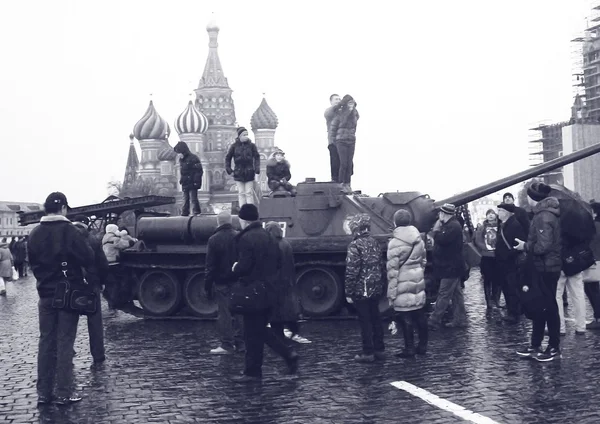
[(160, 371)]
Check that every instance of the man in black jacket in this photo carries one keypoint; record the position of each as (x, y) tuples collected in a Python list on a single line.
[(520, 213), (52, 242), (220, 257), (191, 178), (96, 276), (258, 262), (508, 269)]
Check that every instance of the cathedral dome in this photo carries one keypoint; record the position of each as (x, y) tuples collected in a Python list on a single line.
[(212, 25), (264, 118), (152, 126), (167, 153), (191, 121)]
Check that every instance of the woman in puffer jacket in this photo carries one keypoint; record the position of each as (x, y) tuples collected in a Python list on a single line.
[(114, 242), (406, 259)]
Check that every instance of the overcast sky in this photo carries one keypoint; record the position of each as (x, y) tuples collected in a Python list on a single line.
[(446, 90)]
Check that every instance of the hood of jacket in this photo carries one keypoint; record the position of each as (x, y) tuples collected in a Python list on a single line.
[(409, 234), (181, 148), (272, 162), (274, 229), (549, 204)]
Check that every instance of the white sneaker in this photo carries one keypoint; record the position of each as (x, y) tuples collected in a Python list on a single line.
[(300, 339), (220, 351)]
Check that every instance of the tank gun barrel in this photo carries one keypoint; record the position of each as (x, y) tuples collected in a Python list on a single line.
[(479, 192)]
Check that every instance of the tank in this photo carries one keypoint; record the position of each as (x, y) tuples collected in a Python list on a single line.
[(166, 270)]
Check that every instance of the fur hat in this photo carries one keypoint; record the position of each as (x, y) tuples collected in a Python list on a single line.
[(248, 212), (240, 130), (359, 223), (538, 191), (448, 208), (509, 207), (402, 218)]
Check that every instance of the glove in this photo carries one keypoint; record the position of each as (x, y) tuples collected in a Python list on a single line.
[(349, 300)]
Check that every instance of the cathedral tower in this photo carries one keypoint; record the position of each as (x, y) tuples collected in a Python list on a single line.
[(152, 131), (264, 123), (133, 163)]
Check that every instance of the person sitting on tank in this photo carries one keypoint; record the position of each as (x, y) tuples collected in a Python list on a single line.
[(125, 235), (343, 128), (114, 242), (191, 178), (278, 173), (246, 165)]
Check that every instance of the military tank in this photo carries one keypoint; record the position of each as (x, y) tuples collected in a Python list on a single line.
[(166, 270)]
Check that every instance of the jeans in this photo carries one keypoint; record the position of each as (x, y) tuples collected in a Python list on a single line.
[(274, 185), (371, 326), (574, 286), (346, 156), (409, 321), (230, 326), (492, 284), (187, 195), (256, 335), (55, 353), (509, 278), (592, 291), (96, 332), (334, 162), (450, 288), (547, 282), (245, 192), (20, 268)]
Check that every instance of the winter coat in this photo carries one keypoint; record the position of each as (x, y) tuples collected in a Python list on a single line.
[(406, 260), (51, 241), (112, 244), (6, 261), (190, 168), (448, 261), (344, 126), (276, 171), (544, 242), (220, 256), (595, 243), (329, 115), (506, 253), (364, 268), (19, 252), (96, 273), (486, 238), (246, 158), (523, 218)]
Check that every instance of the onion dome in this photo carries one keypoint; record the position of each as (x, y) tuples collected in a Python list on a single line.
[(264, 118), (191, 121), (152, 126), (166, 153), (212, 25)]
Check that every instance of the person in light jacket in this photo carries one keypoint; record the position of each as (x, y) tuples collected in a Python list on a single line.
[(406, 260), (114, 242), (6, 264)]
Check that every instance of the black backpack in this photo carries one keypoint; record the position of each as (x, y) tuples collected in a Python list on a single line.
[(577, 231)]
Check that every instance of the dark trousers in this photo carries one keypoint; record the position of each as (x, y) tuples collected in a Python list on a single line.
[(274, 185), (230, 326), (509, 278), (492, 284), (256, 335), (55, 352), (592, 291), (187, 194), (408, 322), (547, 282), (371, 326), (96, 332), (334, 162), (450, 289), (346, 155), (20, 268)]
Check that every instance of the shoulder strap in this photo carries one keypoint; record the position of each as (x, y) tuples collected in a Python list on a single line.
[(63, 257), (408, 257), (504, 238)]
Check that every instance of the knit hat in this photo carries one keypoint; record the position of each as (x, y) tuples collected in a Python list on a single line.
[(278, 151), (448, 208), (538, 191), (509, 207), (82, 218), (360, 222), (402, 218), (240, 130), (248, 212), (490, 211), (507, 194), (56, 199)]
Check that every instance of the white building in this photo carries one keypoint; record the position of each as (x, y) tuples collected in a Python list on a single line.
[(9, 218)]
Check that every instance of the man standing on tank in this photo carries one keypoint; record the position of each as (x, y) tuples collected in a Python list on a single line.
[(334, 159), (220, 257), (191, 178)]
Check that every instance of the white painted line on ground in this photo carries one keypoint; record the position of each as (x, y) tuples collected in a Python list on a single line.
[(442, 403)]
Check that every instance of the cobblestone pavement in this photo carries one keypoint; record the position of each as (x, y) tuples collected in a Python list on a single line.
[(160, 371)]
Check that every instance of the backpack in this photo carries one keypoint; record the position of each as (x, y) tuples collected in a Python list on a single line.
[(577, 231)]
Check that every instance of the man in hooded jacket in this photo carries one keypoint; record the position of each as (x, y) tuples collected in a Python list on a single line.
[(191, 178)]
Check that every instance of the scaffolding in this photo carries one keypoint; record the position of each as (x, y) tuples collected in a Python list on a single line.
[(590, 54)]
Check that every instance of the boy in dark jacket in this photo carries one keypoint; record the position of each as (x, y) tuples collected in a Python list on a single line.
[(191, 178), (278, 172), (544, 246), (364, 286), (246, 165)]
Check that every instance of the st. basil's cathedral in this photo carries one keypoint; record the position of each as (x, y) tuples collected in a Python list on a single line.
[(208, 126)]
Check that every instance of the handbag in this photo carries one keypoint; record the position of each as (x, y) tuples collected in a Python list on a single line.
[(15, 274), (248, 298), (592, 274), (576, 260), (73, 294), (521, 258)]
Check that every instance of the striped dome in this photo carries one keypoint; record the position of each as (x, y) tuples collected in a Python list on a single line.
[(191, 121), (264, 117), (167, 153), (152, 126)]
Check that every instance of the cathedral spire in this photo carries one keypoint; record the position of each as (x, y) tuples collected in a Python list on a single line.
[(133, 164), (213, 75)]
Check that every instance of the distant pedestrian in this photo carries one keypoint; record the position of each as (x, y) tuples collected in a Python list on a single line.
[(364, 286), (26, 263), (19, 256), (246, 165), (344, 127), (220, 257), (50, 244), (191, 178), (6, 266), (334, 159), (406, 260)]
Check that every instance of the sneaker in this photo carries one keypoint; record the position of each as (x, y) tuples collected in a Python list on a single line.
[(220, 351), (580, 333), (529, 352), (594, 325), (550, 354), (44, 400), (299, 339), (509, 319), (406, 354), (364, 358), (64, 401)]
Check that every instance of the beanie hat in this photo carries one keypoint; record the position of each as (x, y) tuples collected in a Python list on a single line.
[(507, 194), (509, 207), (490, 211), (248, 212), (538, 191), (82, 218), (402, 218), (240, 130), (448, 208), (360, 223)]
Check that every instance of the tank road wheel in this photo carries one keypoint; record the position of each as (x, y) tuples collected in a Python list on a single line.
[(159, 293), (195, 297), (321, 291)]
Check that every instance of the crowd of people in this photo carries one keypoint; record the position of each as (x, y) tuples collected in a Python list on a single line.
[(14, 261)]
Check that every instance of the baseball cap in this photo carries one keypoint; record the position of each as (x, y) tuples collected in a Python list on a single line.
[(82, 218), (56, 199)]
